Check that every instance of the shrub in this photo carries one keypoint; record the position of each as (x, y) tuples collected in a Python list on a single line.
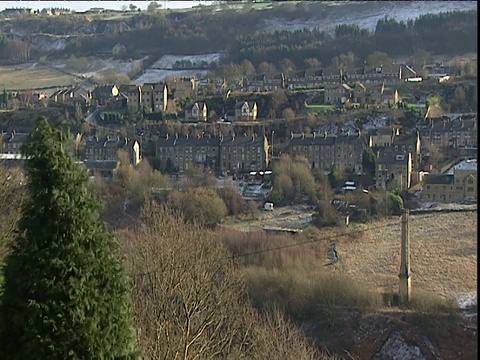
[(305, 294), (234, 201), (436, 316), (396, 204), (326, 214), (200, 205)]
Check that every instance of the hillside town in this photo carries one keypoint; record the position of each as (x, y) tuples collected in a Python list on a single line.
[(254, 179), (402, 159)]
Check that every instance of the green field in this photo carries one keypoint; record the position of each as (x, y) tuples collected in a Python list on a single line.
[(318, 108), (22, 77)]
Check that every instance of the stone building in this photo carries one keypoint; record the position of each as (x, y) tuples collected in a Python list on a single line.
[(324, 152)]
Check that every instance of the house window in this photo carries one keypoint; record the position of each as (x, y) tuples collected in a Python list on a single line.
[(428, 186), (470, 189)]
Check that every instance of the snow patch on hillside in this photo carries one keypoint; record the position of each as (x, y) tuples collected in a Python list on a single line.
[(100, 65), (168, 61), (364, 17), (155, 76), (467, 300), (396, 348)]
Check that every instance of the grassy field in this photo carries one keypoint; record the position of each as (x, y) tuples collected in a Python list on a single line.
[(318, 108), (443, 251), (443, 254), (23, 77)]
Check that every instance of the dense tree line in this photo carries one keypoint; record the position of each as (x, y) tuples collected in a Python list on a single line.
[(14, 50), (451, 32)]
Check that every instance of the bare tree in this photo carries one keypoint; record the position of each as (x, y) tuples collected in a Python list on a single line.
[(267, 68), (188, 298), (312, 63)]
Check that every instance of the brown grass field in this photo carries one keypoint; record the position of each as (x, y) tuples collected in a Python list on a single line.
[(22, 77), (443, 257), (443, 249)]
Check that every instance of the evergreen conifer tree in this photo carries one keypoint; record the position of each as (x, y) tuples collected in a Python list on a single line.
[(369, 162), (65, 294)]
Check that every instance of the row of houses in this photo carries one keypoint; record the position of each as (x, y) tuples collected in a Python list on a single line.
[(361, 94), (150, 96), (318, 78), (244, 110), (155, 97), (398, 157), (452, 133), (229, 154), (245, 153), (51, 11), (100, 156)]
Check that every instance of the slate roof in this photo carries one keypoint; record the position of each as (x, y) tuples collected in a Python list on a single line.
[(101, 164), (115, 143), (383, 130), (389, 156), (239, 104), (190, 141), (405, 139), (317, 140), (241, 140), (439, 179), (452, 125)]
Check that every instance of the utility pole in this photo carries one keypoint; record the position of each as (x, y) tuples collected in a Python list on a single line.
[(405, 276), (271, 146)]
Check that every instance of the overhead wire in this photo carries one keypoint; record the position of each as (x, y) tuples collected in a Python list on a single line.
[(415, 216)]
